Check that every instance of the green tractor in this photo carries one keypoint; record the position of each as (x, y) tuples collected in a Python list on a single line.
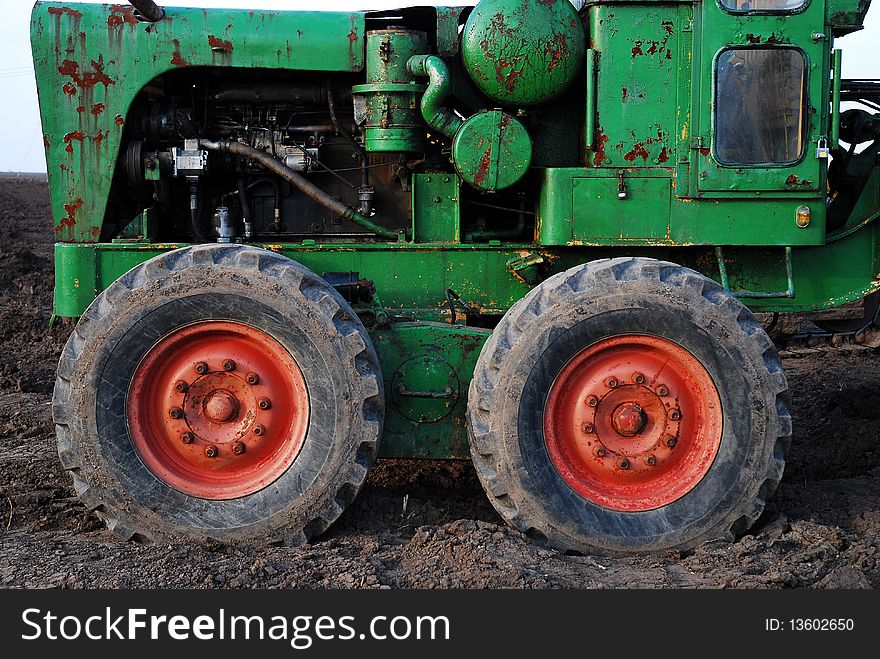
[(526, 233)]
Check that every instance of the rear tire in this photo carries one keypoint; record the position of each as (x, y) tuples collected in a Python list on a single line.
[(602, 487), (142, 460)]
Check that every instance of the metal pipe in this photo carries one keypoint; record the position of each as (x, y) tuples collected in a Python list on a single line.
[(440, 118), (149, 11), (305, 186)]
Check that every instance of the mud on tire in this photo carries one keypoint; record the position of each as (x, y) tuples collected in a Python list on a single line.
[(256, 288), (588, 304)]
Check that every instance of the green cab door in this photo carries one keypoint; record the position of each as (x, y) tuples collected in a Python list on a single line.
[(763, 75)]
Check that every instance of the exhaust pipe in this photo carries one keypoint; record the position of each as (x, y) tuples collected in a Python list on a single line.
[(148, 10)]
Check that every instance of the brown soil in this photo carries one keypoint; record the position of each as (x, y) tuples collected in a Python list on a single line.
[(416, 524)]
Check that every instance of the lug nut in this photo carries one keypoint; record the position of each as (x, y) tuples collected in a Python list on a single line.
[(253, 378), (601, 452), (588, 428), (264, 403), (611, 382), (228, 365), (671, 441), (175, 413), (187, 438), (651, 460), (662, 390), (181, 387), (638, 378), (675, 415), (238, 448), (592, 401), (623, 464), (211, 451), (259, 430), (201, 368)]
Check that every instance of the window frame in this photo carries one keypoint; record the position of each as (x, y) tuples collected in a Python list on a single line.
[(763, 12), (807, 114)]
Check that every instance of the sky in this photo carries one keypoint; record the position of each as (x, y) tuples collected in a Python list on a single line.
[(21, 148)]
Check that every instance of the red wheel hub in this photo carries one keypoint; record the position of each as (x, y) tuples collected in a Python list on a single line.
[(218, 410), (633, 422)]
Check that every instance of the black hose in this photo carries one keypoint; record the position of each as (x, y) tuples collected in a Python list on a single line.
[(149, 11), (305, 186)]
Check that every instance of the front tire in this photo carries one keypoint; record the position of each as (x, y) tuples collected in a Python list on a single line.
[(629, 406), (218, 392)]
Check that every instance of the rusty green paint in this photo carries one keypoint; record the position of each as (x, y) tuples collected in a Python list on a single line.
[(492, 151), (523, 53), (91, 60)]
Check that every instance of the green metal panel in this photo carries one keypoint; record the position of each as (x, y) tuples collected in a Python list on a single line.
[(91, 61), (436, 204), (427, 368), (642, 215), (492, 151)]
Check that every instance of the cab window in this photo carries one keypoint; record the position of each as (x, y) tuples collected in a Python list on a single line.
[(763, 6)]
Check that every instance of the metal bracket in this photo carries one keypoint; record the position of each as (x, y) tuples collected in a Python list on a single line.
[(725, 281)]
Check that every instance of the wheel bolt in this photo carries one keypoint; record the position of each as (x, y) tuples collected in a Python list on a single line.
[(588, 428), (228, 365), (675, 415), (175, 413), (259, 430), (201, 368), (592, 401), (623, 464), (187, 438), (601, 452), (211, 451), (651, 460), (264, 403), (238, 448), (181, 387), (253, 378), (662, 390), (638, 378), (671, 441), (611, 382)]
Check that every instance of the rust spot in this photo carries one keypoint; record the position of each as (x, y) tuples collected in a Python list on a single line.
[(558, 51), (63, 167), (638, 151), (601, 140), (81, 109), (483, 169), (70, 137), (58, 11), (99, 138), (352, 36), (793, 182), (751, 38), (177, 58), (45, 141), (96, 231), (664, 156), (120, 14), (87, 79), (773, 39), (667, 25), (637, 49), (119, 120), (71, 210), (217, 43), (623, 94), (97, 109), (705, 152)]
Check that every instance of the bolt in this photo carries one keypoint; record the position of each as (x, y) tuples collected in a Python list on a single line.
[(181, 387), (662, 390), (611, 382), (600, 452), (671, 441), (264, 403), (592, 401), (588, 428), (259, 430), (228, 365), (201, 368), (675, 415), (253, 378), (651, 460), (211, 451), (623, 464), (187, 438), (175, 413), (238, 448), (638, 378)]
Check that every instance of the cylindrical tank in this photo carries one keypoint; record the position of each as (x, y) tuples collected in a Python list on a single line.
[(391, 94), (523, 53)]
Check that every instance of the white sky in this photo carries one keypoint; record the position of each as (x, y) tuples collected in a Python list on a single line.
[(21, 147)]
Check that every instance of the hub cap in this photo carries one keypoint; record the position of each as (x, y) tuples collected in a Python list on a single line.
[(218, 410), (633, 422)]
